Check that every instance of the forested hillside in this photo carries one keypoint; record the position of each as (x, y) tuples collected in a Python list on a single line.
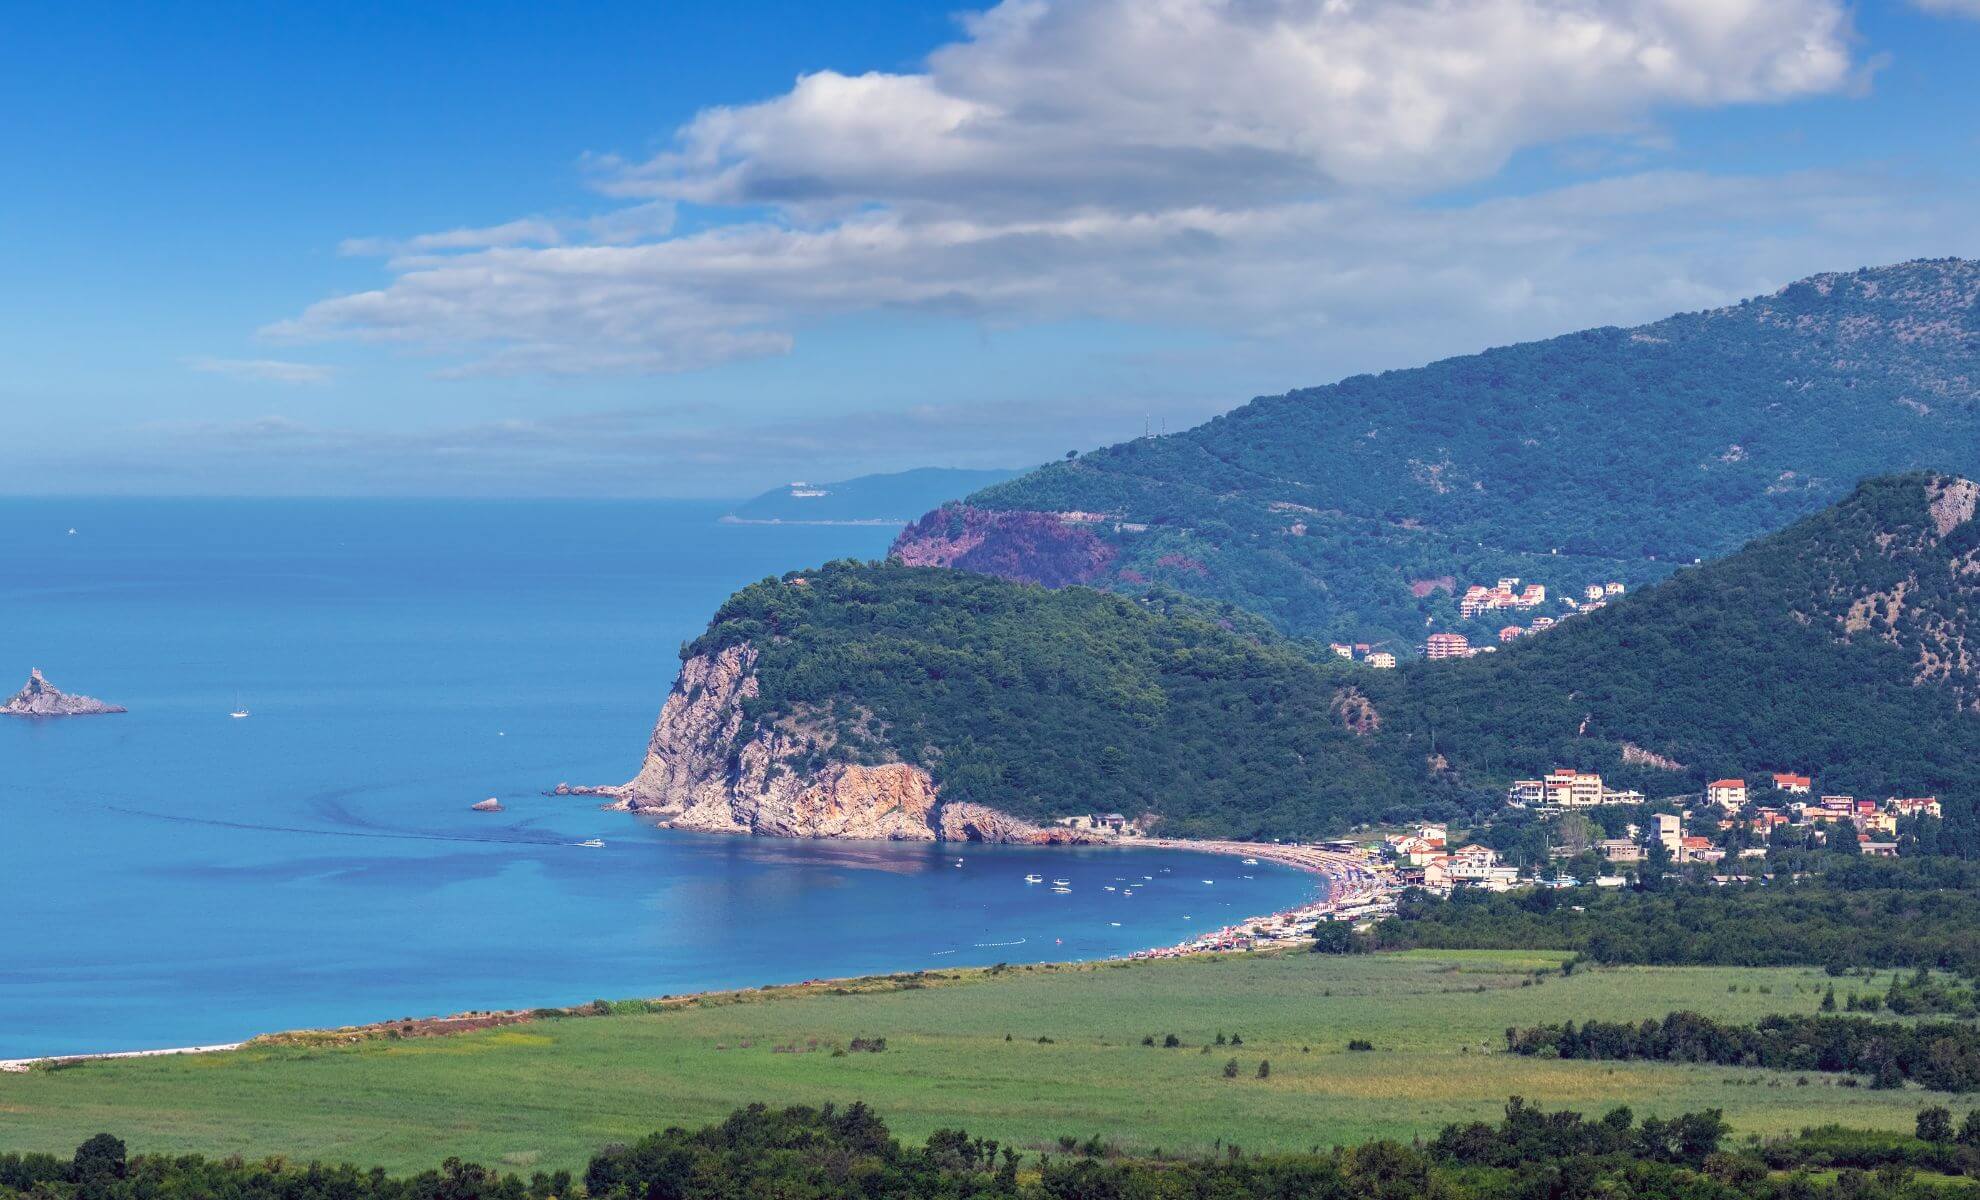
[(1358, 510), (1836, 647), (1042, 703)]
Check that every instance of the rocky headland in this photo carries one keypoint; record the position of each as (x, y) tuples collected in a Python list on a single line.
[(41, 698), (709, 768)]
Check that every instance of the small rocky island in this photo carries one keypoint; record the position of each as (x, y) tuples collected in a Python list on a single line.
[(41, 698)]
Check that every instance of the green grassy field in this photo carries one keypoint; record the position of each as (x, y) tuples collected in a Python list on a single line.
[(547, 1094)]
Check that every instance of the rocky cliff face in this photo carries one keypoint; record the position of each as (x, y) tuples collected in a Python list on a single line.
[(41, 698), (708, 769)]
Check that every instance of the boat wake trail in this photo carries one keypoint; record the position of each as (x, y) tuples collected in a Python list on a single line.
[(387, 835)]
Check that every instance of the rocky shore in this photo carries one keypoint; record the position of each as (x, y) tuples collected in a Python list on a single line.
[(709, 769), (41, 698)]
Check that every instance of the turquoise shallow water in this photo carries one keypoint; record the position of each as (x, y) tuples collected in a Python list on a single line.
[(172, 876)]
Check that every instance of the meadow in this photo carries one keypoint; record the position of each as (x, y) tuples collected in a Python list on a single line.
[(1024, 1055)]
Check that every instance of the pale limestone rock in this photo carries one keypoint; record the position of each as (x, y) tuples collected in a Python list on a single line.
[(705, 771), (41, 698)]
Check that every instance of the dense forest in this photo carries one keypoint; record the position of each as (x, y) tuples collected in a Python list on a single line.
[(1606, 454), (1832, 647), (1863, 914), (830, 1153), (1943, 1056)]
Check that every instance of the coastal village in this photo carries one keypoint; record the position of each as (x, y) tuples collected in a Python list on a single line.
[(1732, 820)]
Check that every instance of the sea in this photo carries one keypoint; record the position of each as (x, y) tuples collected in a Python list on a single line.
[(175, 876)]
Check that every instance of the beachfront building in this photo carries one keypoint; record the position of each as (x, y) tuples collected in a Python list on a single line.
[(1115, 824), (1479, 866)]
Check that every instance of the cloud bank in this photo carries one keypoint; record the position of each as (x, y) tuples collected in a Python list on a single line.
[(1264, 168), (262, 370)]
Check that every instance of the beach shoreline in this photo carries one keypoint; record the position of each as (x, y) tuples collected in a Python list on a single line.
[(1348, 882)]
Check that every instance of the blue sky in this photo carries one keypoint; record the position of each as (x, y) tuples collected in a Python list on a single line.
[(698, 249)]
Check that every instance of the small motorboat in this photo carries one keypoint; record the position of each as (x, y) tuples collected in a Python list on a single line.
[(1061, 890), (240, 714), (592, 843), (1249, 862), (1034, 879), (1062, 883)]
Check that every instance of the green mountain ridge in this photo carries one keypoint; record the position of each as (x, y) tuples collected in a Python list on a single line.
[(1834, 647), (1359, 510)]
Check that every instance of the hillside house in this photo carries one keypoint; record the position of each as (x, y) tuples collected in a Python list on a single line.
[(1447, 645), (1767, 820), (1569, 788), (1507, 593), (1729, 794), (1670, 834), (1382, 660), (1914, 806), (1527, 793), (1511, 633), (1620, 850), (1793, 785)]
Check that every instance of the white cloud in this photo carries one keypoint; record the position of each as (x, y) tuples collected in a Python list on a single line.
[(1145, 103), (262, 370), (1249, 165)]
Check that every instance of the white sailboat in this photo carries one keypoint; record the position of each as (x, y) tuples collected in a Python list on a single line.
[(240, 712)]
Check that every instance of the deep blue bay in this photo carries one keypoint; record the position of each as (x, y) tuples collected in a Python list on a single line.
[(172, 876)]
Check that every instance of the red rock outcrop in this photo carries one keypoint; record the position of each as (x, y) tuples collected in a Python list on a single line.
[(1027, 547)]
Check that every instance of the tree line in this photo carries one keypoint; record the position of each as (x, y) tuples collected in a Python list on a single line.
[(1941, 1055), (833, 1152)]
